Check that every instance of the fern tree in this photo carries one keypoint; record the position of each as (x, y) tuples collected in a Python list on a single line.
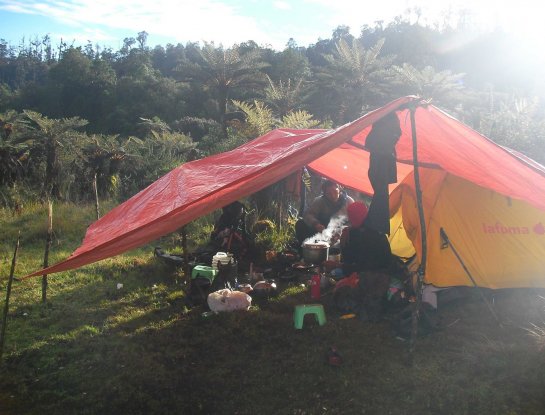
[(518, 123), (14, 148), (156, 152), (259, 120), (301, 120), (166, 147), (443, 87), (104, 157), (285, 96), (49, 136), (222, 70), (354, 78)]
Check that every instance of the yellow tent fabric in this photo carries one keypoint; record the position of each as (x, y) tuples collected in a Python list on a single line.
[(501, 240), (401, 245)]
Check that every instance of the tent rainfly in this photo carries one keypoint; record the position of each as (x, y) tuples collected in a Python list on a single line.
[(489, 199)]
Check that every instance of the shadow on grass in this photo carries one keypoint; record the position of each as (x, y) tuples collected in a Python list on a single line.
[(100, 350)]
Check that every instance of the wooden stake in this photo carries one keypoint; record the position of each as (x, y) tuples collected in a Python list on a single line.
[(186, 255), (47, 248), (95, 189), (8, 293)]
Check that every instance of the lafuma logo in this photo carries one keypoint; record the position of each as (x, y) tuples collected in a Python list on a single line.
[(500, 228)]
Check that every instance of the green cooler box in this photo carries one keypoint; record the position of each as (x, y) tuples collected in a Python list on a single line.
[(203, 271)]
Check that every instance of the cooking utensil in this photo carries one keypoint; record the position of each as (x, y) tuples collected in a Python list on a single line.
[(315, 252), (300, 267)]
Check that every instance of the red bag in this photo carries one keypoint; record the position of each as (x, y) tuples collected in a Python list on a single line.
[(352, 281)]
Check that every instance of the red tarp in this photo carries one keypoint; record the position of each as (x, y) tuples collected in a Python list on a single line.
[(202, 186)]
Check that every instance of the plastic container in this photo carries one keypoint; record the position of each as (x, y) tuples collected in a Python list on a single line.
[(223, 258), (203, 271)]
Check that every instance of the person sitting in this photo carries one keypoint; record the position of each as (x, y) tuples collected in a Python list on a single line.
[(229, 233), (363, 248), (329, 205)]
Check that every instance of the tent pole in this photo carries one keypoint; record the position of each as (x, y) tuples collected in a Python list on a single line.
[(446, 240), (303, 193), (422, 267)]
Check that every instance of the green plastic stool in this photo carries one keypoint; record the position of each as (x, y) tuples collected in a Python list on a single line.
[(304, 309)]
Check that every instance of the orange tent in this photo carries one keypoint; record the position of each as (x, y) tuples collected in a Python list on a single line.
[(445, 146)]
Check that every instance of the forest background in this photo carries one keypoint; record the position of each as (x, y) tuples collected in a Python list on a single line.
[(76, 118)]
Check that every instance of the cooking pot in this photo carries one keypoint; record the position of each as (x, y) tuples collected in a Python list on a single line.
[(315, 252), (264, 289)]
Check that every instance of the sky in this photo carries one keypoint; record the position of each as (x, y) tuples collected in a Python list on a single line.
[(269, 23)]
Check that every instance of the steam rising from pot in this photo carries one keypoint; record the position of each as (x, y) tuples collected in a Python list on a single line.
[(334, 227)]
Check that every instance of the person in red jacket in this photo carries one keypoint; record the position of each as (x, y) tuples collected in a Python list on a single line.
[(363, 248)]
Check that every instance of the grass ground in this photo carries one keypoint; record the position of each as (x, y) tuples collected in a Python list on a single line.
[(97, 349)]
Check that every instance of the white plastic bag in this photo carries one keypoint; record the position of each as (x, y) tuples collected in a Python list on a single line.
[(227, 300)]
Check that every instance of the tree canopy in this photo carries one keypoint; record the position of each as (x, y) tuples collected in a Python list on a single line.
[(80, 108)]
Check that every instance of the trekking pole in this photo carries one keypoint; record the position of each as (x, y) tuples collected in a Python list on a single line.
[(446, 242)]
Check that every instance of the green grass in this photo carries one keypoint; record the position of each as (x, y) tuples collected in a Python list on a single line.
[(96, 349)]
